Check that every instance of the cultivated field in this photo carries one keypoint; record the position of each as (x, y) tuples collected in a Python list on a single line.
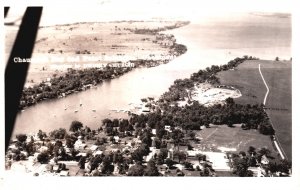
[(247, 79)]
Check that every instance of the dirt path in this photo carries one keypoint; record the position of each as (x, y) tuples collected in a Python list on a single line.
[(265, 99), (276, 141), (211, 134)]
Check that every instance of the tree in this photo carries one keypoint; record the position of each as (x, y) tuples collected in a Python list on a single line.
[(169, 162), (191, 134), (180, 155), (264, 151), (229, 101), (177, 135), (251, 150), (94, 162), (136, 170), (115, 123), (70, 141), (151, 169), (109, 130), (164, 153), (284, 166), (75, 126), (201, 157), (117, 157), (81, 163), (21, 138), (58, 134), (160, 132), (43, 158), (146, 139), (240, 167), (156, 143), (107, 167), (30, 148), (41, 135)]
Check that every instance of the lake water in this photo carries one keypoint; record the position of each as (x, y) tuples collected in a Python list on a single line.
[(213, 41)]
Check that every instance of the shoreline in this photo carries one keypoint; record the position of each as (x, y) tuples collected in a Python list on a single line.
[(166, 41)]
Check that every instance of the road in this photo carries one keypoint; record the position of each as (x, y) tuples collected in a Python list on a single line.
[(276, 141)]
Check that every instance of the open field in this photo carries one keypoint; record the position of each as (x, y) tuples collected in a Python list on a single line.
[(277, 74), (232, 138)]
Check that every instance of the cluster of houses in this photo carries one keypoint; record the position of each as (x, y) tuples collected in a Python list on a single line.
[(218, 161)]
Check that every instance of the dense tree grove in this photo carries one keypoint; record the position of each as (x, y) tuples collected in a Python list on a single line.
[(192, 117), (73, 80)]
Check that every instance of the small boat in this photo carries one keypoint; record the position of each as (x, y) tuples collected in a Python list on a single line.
[(75, 111), (94, 110)]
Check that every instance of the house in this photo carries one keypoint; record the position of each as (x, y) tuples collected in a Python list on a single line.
[(154, 131), (43, 149), (55, 168), (83, 154), (257, 171), (264, 160), (117, 138), (98, 152), (193, 153), (179, 166), (64, 173), (168, 128), (79, 144), (93, 147)]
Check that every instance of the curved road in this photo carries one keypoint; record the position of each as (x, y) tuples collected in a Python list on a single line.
[(265, 99), (276, 141)]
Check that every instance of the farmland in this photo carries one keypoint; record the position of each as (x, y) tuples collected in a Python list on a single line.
[(277, 74)]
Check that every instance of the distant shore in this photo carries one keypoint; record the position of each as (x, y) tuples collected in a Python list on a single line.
[(44, 83)]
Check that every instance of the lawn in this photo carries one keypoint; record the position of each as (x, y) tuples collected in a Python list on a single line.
[(247, 79), (232, 137)]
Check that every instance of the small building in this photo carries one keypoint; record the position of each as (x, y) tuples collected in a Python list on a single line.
[(257, 171), (264, 160), (64, 173), (117, 138), (98, 152), (154, 131), (168, 128), (79, 144), (93, 147), (193, 153), (83, 154)]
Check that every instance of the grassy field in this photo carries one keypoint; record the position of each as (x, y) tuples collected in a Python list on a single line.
[(278, 77), (223, 136)]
